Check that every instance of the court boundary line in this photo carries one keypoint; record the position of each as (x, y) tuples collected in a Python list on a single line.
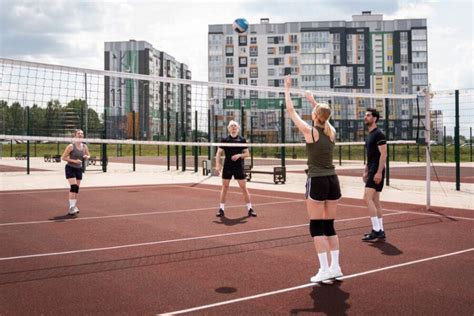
[(202, 209), (167, 241), (251, 297)]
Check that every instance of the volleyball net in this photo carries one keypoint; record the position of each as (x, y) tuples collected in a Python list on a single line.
[(183, 121)]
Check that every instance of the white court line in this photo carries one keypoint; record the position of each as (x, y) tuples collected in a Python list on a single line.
[(137, 214), (247, 298), (171, 240), (210, 208)]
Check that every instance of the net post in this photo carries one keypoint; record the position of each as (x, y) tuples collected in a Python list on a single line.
[(28, 142), (183, 128), (457, 147), (133, 137), (196, 140), (428, 147), (209, 124), (176, 148), (168, 131), (283, 151), (104, 145), (444, 143), (387, 134)]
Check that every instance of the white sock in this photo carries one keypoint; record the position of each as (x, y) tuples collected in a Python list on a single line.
[(323, 261), (72, 203), (375, 223), (334, 258), (221, 206), (249, 206), (381, 223)]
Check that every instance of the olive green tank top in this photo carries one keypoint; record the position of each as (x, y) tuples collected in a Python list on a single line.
[(320, 155)]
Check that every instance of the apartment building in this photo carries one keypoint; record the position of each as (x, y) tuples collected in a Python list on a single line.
[(151, 103)]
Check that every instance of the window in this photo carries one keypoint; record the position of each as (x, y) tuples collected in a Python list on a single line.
[(253, 40), (243, 81), (254, 51), (253, 72), (228, 40), (229, 51), (242, 61), (242, 40), (271, 71), (253, 61), (271, 50), (293, 38), (229, 61)]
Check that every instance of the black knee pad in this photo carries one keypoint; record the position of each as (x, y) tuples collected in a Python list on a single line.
[(316, 227), (74, 188), (328, 227)]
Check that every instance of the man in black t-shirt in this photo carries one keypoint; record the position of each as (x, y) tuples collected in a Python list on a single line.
[(374, 173), (233, 166)]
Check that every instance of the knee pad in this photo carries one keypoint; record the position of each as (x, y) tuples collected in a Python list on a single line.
[(316, 227), (328, 227), (74, 188)]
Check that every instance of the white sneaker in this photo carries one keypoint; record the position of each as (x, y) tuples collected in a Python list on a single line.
[(76, 209), (321, 276), (72, 211), (335, 272)]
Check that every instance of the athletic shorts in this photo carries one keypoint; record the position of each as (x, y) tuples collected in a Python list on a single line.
[(371, 184), (72, 172), (325, 188), (236, 172)]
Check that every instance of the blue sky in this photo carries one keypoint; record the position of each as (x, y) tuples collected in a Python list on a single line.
[(73, 32)]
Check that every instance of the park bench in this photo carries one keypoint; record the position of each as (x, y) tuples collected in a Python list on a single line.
[(279, 173)]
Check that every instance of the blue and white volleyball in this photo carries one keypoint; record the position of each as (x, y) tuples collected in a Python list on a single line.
[(240, 25)]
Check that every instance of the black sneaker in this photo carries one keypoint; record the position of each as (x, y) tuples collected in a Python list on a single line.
[(220, 213), (374, 235), (252, 213)]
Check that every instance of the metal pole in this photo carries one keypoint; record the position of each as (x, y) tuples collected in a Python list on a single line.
[(283, 149), (251, 140), (104, 146), (177, 137), (133, 137), (470, 143), (27, 142), (86, 123), (428, 147), (168, 138), (444, 143), (387, 136), (196, 139), (457, 147), (209, 124)]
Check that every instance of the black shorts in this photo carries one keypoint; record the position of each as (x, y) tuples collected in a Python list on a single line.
[(72, 172), (237, 172), (371, 184), (323, 188)]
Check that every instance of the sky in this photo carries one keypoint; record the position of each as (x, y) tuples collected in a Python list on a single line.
[(73, 32)]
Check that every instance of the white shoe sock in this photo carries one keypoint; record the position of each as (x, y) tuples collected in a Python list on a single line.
[(72, 203), (334, 259), (381, 223), (249, 206), (323, 261), (221, 206), (375, 223)]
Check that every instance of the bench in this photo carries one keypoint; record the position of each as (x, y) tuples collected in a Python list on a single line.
[(93, 160), (279, 173), (52, 158), (20, 156)]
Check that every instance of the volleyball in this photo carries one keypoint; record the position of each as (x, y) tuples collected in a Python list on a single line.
[(240, 25)]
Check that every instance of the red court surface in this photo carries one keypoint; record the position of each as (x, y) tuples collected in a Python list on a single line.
[(160, 249)]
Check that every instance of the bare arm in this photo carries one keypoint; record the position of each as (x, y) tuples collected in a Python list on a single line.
[(310, 98), (300, 124), (87, 155), (383, 157), (218, 159)]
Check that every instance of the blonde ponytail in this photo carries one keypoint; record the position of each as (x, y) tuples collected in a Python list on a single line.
[(329, 131)]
